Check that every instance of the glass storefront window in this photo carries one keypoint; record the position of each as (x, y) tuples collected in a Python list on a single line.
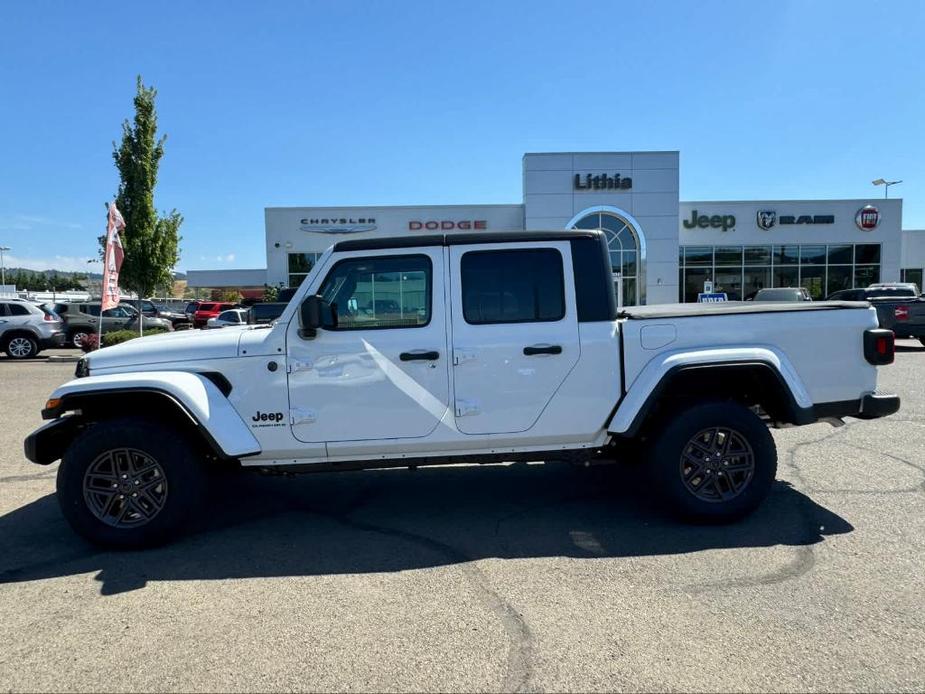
[(841, 255), (865, 275), (755, 278), (629, 264), (840, 277), (786, 276), (698, 255), (693, 282), (913, 275), (742, 271), (813, 279), (300, 264), (812, 255), (786, 255), (866, 253), (729, 281), (729, 256), (757, 255)]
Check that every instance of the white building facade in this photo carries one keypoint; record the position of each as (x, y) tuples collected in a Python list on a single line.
[(662, 249)]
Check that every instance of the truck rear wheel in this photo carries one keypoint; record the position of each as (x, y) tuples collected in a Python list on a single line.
[(129, 483), (713, 462)]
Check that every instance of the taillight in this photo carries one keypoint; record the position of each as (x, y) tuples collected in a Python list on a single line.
[(901, 313), (50, 318), (879, 346)]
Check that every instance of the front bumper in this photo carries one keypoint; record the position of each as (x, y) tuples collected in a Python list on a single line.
[(48, 443), (870, 406)]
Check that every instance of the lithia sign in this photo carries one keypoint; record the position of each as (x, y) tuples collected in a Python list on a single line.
[(602, 182)]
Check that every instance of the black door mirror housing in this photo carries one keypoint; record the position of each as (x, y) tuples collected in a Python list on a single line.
[(310, 317)]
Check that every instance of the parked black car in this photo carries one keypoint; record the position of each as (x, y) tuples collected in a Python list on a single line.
[(177, 319), (898, 308)]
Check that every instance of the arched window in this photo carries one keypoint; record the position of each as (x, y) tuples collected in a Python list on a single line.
[(627, 254)]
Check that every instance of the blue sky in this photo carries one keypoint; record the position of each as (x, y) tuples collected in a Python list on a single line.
[(344, 103)]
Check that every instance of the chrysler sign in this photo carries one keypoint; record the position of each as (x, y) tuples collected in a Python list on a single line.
[(338, 225)]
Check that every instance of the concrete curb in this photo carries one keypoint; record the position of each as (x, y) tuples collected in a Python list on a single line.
[(62, 358)]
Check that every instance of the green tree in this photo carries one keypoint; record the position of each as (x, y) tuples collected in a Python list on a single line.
[(151, 241)]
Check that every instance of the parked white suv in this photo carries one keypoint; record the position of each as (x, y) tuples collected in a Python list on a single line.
[(27, 329), (460, 348)]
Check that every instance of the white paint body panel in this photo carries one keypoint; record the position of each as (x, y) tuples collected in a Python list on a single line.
[(498, 388), (823, 349), (355, 382)]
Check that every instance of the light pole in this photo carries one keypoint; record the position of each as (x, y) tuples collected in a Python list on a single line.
[(2, 266), (886, 186)]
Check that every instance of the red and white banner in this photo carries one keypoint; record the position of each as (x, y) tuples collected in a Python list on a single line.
[(112, 258)]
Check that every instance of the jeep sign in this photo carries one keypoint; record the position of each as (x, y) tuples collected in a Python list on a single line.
[(716, 221)]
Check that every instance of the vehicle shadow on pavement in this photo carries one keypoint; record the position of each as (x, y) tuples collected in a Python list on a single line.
[(394, 520)]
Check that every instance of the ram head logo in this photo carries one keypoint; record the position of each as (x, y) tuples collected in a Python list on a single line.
[(766, 219)]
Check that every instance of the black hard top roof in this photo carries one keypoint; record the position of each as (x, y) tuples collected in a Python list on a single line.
[(461, 239)]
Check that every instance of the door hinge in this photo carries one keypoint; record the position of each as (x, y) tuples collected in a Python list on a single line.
[(463, 355), (300, 416), (467, 407), (296, 365)]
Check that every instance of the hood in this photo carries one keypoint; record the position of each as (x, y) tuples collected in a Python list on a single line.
[(183, 345)]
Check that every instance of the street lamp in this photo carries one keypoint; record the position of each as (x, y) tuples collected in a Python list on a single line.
[(2, 266), (886, 186)]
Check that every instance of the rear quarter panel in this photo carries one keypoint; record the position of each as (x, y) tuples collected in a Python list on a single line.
[(825, 348)]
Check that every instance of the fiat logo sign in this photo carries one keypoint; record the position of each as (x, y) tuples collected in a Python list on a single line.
[(867, 218)]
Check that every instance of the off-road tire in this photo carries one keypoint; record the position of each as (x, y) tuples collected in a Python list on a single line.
[(673, 445), (20, 346), (135, 439)]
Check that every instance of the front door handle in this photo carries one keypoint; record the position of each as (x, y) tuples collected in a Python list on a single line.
[(419, 355), (542, 349)]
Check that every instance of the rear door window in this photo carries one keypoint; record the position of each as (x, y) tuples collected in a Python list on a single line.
[(512, 286), (18, 310)]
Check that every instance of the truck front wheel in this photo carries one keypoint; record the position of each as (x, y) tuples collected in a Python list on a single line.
[(713, 462), (129, 483)]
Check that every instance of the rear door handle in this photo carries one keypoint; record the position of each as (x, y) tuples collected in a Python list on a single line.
[(420, 355), (542, 349)]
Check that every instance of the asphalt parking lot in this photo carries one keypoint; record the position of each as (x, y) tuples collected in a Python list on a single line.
[(520, 577)]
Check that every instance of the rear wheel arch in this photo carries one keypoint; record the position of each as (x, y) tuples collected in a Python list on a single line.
[(751, 384)]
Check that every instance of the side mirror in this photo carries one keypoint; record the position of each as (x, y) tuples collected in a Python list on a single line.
[(310, 317)]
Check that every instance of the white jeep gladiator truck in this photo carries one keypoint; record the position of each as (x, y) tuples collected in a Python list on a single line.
[(457, 348)]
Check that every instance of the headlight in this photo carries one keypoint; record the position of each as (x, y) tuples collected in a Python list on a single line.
[(83, 368)]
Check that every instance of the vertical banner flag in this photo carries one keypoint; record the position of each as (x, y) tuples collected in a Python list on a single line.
[(112, 258)]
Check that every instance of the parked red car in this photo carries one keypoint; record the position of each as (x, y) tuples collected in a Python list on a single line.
[(207, 310)]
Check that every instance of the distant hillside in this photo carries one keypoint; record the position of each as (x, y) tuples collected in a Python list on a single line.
[(59, 273), (47, 280)]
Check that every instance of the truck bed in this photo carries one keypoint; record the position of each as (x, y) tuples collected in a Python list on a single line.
[(662, 311)]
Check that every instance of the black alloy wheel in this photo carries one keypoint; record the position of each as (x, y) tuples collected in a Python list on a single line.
[(712, 462)]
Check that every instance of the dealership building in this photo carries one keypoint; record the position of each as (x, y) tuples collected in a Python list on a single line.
[(662, 249)]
